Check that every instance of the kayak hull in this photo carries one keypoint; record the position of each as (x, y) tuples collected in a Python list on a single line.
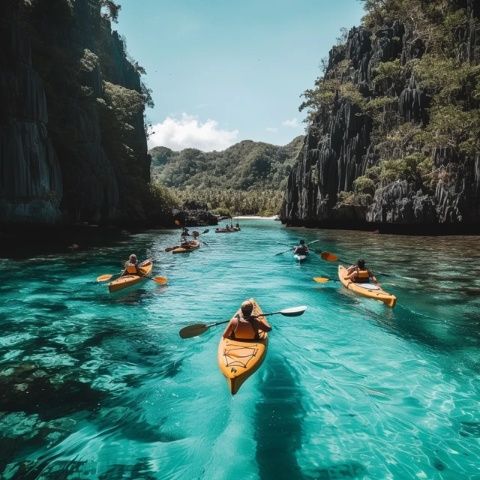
[(376, 294), (239, 359), (300, 258), (126, 281), (194, 244)]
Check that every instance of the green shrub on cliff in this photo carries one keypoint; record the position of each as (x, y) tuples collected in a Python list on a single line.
[(364, 184), (125, 103), (389, 72), (451, 127), (447, 79), (414, 168)]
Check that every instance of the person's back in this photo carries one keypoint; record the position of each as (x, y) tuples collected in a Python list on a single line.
[(301, 248), (359, 273), (131, 266), (245, 327)]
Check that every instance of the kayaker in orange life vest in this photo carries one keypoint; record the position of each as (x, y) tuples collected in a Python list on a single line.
[(243, 326), (360, 274), (131, 267)]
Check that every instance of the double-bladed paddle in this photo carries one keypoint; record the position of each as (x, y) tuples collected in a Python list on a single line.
[(290, 249), (324, 279), (199, 328), (331, 257), (159, 280), (106, 277)]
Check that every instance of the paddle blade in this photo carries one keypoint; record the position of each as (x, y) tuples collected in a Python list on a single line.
[(104, 278), (206, 230), (329, 257), (160, 280), (193, 330), (293, 311), (321, 279)]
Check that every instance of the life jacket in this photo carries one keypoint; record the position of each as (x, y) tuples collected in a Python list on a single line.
[(254, 328), (132, 269), (362, 275), (301, 250)]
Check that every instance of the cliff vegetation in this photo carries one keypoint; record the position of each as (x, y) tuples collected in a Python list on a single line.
[(394, 122), (73, 147)]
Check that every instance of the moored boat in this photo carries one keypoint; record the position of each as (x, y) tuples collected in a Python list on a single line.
[(239, 359), (369, 290), (129, 280)]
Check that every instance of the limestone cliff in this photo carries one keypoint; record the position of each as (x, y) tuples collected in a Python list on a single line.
[(72, 137), (394, 123)]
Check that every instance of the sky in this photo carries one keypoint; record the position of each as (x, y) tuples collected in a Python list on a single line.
[(222, 71)]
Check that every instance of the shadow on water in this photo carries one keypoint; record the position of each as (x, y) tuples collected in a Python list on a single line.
[(278, 431), (427, 330), (338, 471), (278, 423)]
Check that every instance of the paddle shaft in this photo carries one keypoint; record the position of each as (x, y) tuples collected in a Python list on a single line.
[(198, 329), (341, 260), (251, 316), (290, 249)]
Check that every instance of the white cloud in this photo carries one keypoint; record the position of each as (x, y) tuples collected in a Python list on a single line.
[(293, 123), (189, 132), (272, 129)]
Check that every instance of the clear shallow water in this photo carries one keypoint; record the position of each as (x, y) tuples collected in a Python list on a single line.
[(94, 385)]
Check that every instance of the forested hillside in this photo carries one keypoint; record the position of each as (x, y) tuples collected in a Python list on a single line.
[(394, 122), (247, 178)]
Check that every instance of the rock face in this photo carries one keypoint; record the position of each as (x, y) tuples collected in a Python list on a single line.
[(72, 137), (195, 214), (378, 109)]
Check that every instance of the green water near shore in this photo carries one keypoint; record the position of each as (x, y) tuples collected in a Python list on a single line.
[(95, 385)]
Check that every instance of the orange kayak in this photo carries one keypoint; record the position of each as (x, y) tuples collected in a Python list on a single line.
[(369, 290), (238, 359), (192, 245), (128, 280)]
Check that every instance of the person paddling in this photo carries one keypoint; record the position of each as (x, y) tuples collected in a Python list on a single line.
[(243, 326), (131, 266), (358, 273), (301, 248), (185, 233)]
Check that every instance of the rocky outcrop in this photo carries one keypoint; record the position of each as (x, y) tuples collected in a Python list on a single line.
[(72, 137), (30, 182), (194, 214), (368, 121)]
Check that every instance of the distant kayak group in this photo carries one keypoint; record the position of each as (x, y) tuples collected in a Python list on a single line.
[(228, 229), (244, 343)]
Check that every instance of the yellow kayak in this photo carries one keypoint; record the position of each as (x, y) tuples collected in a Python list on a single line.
[(184, 248), (238, 359), (128, 280), (369, 290)]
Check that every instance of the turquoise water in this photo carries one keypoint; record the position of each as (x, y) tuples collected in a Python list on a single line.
[(94, 385)]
